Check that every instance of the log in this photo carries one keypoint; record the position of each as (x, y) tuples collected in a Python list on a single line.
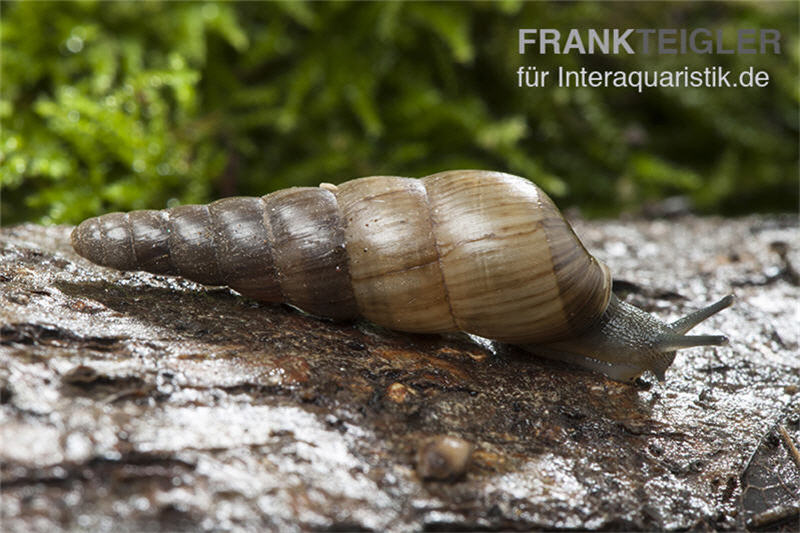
[(131, 401)]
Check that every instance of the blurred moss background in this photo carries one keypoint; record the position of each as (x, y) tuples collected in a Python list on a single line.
[(117, 106)]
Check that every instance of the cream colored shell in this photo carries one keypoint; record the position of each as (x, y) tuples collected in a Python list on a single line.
[(483, 252)]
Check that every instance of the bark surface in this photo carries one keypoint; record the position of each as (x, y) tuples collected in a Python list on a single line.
[(131, 401)]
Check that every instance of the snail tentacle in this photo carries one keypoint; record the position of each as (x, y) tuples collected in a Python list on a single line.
[(686, 323)]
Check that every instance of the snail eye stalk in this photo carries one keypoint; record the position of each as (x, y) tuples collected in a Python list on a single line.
[(682, 325), (676, 340)]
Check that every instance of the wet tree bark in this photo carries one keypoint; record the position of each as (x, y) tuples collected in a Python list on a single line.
[(131, 401)]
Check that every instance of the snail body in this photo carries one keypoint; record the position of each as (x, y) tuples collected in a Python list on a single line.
[(482, 252)]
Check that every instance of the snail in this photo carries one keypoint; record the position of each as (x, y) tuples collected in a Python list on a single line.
[(480, 252)]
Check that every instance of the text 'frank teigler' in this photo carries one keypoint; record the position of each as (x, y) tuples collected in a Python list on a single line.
[(649, 41)]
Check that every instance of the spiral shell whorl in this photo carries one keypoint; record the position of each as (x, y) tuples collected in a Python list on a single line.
[(505, 278)]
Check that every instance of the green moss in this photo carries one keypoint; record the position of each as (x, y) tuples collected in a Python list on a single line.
[(118, 106)]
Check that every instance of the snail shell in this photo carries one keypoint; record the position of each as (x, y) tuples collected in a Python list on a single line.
[(482, 252), (443, 457)]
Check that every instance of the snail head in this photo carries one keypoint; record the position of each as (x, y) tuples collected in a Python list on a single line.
[(625, 341)]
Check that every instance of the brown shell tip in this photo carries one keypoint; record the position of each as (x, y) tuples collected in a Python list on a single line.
[(83, 238)]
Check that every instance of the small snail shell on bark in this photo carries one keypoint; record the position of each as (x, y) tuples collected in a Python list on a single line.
[(443, 457), (482, 252)]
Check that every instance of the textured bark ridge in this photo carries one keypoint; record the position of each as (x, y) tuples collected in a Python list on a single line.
[(133, 401)]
